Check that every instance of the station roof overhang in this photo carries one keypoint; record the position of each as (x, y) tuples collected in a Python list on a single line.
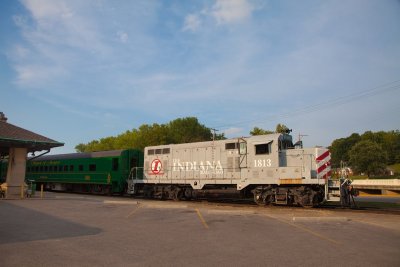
[(12, 136), (31, 145)]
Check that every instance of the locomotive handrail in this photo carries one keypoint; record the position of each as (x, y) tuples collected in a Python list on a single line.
[(134, 173)]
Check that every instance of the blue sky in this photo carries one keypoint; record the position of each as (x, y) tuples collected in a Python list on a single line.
[(76, 70)]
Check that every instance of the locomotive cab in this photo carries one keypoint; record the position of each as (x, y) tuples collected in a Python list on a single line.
[(282, 173)]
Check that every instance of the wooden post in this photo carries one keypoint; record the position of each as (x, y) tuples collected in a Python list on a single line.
[(22, 190)]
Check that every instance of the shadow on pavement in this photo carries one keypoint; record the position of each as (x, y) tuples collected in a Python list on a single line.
[(18, 224)]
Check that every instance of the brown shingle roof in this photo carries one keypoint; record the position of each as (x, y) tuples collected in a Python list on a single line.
[(14, 136)]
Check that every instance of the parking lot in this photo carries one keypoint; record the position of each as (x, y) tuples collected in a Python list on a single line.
[(80, 230)]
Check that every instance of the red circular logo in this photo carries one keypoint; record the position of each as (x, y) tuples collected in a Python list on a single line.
[(156, 166)]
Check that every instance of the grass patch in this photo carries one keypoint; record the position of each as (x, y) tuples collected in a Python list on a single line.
[(395, 168)]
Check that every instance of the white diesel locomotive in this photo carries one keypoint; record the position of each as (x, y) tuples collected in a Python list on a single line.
[(269, 166)]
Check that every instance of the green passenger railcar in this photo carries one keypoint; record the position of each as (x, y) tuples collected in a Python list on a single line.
[(104, 172)]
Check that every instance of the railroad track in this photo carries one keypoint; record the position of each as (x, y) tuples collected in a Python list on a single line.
[(240, 203), (249, 202)]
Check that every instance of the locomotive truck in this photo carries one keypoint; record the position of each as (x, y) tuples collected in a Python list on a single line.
[(269, 167)]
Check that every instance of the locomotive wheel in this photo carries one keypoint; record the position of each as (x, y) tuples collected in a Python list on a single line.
[(307, 199), (187, 193), (148, 191), (177, 194), (259, 200), (269, 198), (97, 188), (263, 197)]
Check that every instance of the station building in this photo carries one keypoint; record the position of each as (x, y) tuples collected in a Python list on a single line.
[(15, 144)]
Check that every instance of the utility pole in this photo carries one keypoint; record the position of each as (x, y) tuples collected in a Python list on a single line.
[(214, 130), (213, 148), (299, 143), (301, 136)]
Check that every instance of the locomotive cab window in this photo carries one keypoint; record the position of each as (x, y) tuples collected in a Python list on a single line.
[(262, 149)]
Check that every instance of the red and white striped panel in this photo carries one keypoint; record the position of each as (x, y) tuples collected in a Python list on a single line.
[(323, 163)]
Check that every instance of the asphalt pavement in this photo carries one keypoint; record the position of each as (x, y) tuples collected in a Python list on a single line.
[(78, 230)]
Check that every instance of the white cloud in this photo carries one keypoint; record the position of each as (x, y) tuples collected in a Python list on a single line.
[(234, 132), (222, 12), (123, 36), (20, 21), (37, 76), (20, 52), (231, 11), (44, 9), (60, 23), (57, 35), (192, 22)]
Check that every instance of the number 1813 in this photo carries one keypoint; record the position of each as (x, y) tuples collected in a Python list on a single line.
[(259, 163)]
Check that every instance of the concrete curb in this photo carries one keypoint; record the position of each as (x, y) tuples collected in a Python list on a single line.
[(320, 219), (231, 212), (121, 202), (164, 206)]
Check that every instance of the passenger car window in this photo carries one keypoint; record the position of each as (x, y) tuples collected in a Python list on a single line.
[(92, 167), (115, 164)]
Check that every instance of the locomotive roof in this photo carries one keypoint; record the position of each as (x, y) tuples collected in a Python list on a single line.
[(255, 138), (99, 154)]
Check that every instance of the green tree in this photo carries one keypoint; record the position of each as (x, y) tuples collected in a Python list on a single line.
[(281, 128), (368, 156), (151, 135), (127, 139), (181, 130), (186, 130), (340, 149), (80, 147), (390, 142), (259, 131)]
